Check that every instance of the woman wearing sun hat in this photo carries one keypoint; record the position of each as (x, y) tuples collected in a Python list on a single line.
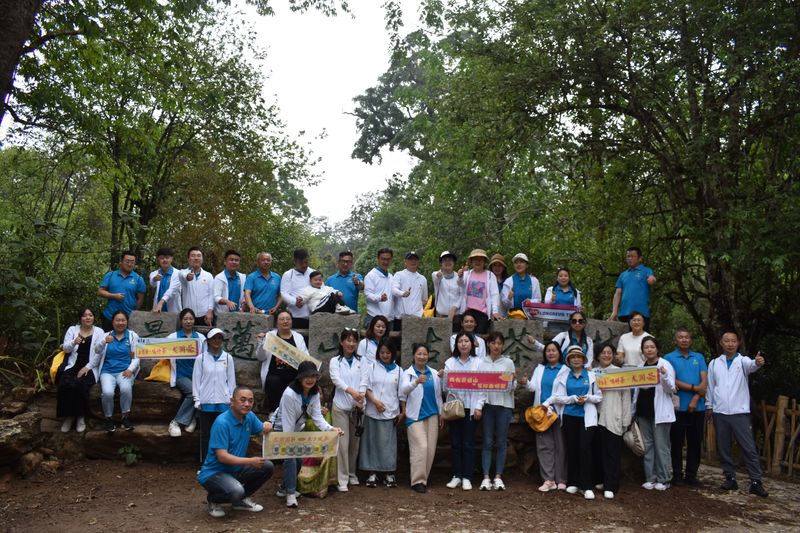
[(481, 294), (520, 286), (578, 392), (497, 264)]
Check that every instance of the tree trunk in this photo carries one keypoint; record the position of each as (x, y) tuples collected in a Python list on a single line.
[(16, 23)]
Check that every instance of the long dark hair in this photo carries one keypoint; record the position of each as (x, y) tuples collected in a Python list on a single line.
[(460, 334), (386, 342), (370, 334)]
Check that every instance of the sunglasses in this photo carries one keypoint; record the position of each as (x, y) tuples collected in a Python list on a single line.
[(578, 321)]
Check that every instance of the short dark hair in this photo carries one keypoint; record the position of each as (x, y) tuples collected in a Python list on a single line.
[(494, 335), (650, 338), (682, 329), (635, 249), (300, 254), (280, 312), (729, 330), (127, 252), (165, 251), (185, 311), (633, 314), (240, 388), (389, 345), (345, 254), (314, 274), (417, 345), (385, 251), (119, 312), (232, 252), (194, 249)]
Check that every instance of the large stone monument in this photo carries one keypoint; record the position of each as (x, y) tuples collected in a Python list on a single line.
[(435, 332), (324, 330)]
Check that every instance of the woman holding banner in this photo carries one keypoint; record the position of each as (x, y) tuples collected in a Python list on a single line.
[(347, 374), (614, 417), (420, 390), (180, 374), (577, 391), (277, 374), (550, 447), (377, 330), (655, 414), (379, 444)]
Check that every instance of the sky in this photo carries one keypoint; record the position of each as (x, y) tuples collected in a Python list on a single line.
[(316, 66)]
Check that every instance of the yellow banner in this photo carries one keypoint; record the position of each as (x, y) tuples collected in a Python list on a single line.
[(151, 348), (627, 378), (300, 444), (285, 351)]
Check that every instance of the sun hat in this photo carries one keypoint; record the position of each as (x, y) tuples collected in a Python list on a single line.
[(446, 254), (537, 418), (477, 252), (520, 256), (576, 350), (307, 369), (214, 332), (498, 258)]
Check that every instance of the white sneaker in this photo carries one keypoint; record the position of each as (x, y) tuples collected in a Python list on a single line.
[(466, 484), (547, 486), (341, 488), (572, 489), (661, 486), (215, 510), (248, 505), (648, 485), (291, 500), (608, 495), (453, 483), (353, 480), (343, 310), (599, 486), (498, 484), (80, 425), (588, 495), (192, 426), (282, 493), (67, 424), (174, 429), (486, 484)]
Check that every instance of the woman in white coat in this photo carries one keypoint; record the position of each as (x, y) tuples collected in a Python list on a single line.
[(277, 374), (180, 374), (655, 414), (377, 330)]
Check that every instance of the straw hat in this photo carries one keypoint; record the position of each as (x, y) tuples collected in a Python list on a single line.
[(576, 350), (498, 258), (477, 252), (537, 418)]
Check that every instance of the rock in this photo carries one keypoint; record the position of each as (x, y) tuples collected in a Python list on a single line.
[(29, 462), (13, 408), (605, 331), (152, 440), (324, 332), (46, 451), (23, 394), (241, 330), (525, 357), (147, 324), (18, 436), (152, 400), (51, 466), (435, 332)]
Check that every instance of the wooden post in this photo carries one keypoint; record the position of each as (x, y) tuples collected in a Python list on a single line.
[(711, 440), (780, 433)]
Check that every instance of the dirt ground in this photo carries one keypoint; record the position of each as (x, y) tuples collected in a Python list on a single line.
[(107, 496)]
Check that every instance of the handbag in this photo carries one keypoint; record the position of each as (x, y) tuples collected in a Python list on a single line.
[(633, 439), (453, 409)]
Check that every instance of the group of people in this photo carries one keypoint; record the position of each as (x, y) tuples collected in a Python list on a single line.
[(579, 452)]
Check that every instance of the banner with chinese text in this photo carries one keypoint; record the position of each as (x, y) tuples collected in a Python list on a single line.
[(288, 353), (543, 311), (157, 348), (481, 381), (627, 378), (299, 444)]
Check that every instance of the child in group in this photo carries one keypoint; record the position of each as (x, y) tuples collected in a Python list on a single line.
[(321, 298)]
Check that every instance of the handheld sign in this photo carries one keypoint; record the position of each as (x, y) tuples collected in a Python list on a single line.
[(543, 311), (627, 378), (286, 352), (158, 348), (480, 381), (300, 444)]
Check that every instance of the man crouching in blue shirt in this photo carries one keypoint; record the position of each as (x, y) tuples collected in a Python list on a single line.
[(228, 474)]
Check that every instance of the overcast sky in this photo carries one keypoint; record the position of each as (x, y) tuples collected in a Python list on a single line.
[(317, 65)]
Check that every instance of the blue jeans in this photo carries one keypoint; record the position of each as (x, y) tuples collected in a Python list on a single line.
[(186, 410), (290, 469), (233, 488), (462, 441), (108, 384), (495, 428)]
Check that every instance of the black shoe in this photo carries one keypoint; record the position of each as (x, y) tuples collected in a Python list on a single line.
[(126, 423), (109, 425), (390, 481), (677, 481), (692, 481), (729, 484), (758, 489), (419, 487)]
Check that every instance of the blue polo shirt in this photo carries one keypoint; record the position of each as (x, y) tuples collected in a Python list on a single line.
[(522, 290), (228, 433), (429, 406), (184, 368), (687, 369), (164, 285), (344, 284), (130, 285), (576, 386), (265, 291), (234, 288), (635, 290), (565, 297), (118, 355), (548, 378)]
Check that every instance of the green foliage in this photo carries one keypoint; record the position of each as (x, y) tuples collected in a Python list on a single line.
[(130, 454)]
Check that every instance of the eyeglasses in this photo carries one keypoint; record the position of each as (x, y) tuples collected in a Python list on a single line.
[(578, 321), (351, 329)]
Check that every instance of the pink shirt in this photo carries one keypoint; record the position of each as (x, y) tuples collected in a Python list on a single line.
[(477, 291)]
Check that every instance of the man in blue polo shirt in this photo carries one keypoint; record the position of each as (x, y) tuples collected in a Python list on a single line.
[(228, 474), (633, 289), (346, 282), (691, 379), (262, 287), (123, 288)]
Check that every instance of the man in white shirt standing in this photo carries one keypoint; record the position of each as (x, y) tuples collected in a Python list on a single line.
[(197, 288), (164, 280), (729, 398), (378, 288), (293, 282), (410, 290)]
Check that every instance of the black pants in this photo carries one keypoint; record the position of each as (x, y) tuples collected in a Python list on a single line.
[(609, 447), (578, 442), (328, 304), (73, 394), (687, 427), (206, 421)]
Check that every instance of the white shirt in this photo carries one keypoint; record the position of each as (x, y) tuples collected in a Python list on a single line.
[(501, 398), (508, 284), (69, 347), (728, 392), (384, 385), (455, 364), (292, 283), (313, 296), (414, 302), (375, 284), (614, 412), (631, 347), (344, 375), (594, 397), (197, 294), (368, 349), (412, 393), (172, 296), (535, 386), (213, 381), (98, 357), (291, 411), (662, 403), (480, 344), (221, 291), (449, 293)]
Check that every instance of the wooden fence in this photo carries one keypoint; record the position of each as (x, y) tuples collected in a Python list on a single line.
[(777, 432)]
